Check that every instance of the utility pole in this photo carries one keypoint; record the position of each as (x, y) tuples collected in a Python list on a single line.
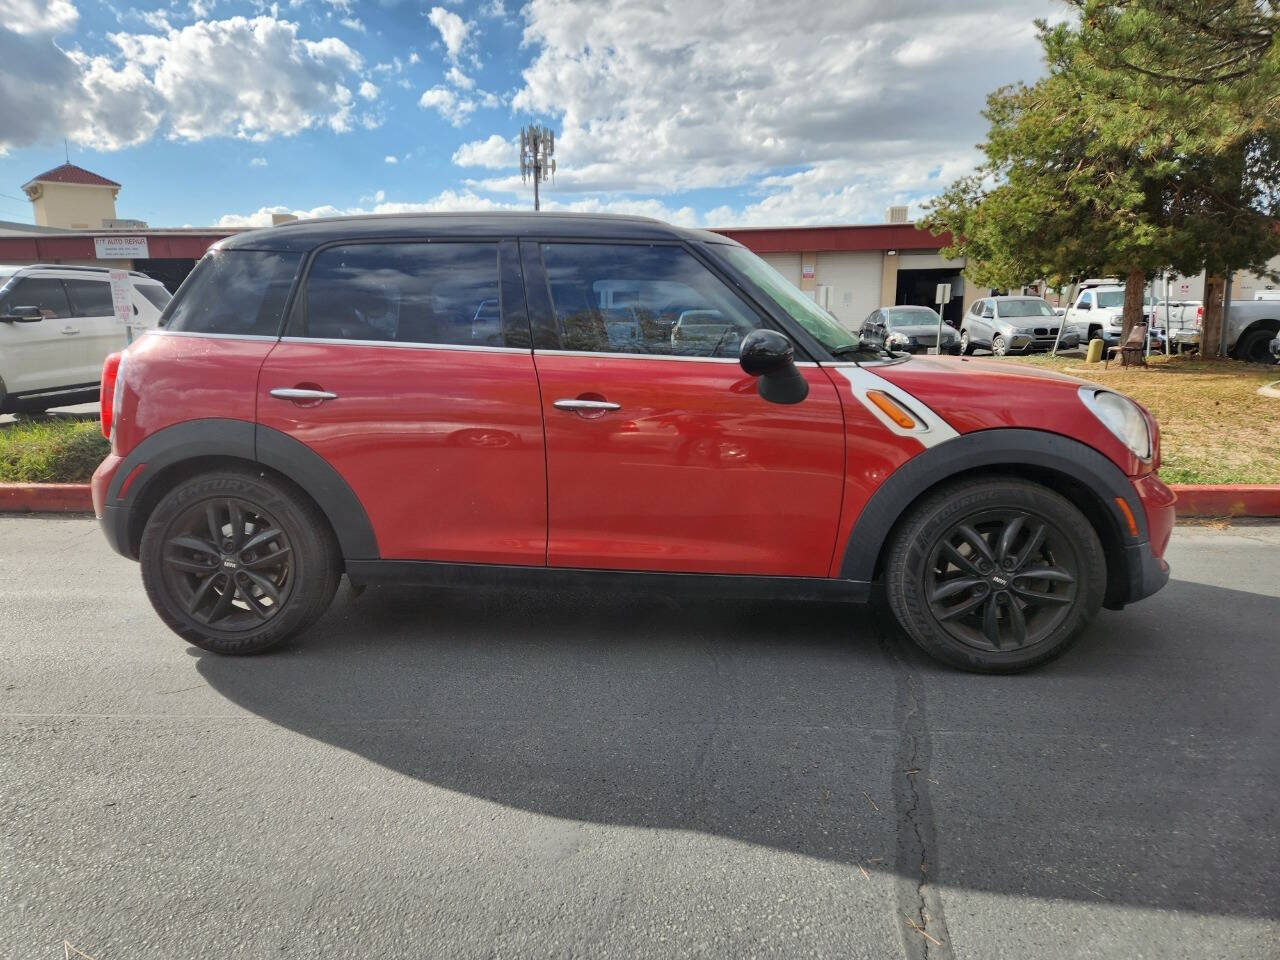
[(537, 157)]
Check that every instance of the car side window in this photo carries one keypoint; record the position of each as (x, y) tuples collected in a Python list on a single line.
[(44, 293), (239, 292), (643, 299), (988, 309), (90, 298), (428, 293)]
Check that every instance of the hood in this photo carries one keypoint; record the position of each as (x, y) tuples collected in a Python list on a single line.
[(973, 394)]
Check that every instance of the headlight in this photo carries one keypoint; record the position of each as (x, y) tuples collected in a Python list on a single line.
[(898, 339), (1122, 417)]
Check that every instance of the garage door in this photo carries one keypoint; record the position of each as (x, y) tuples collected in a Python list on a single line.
[(787, 264), (854, 279)]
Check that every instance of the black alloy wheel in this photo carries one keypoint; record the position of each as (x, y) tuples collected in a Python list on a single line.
[(1001, 580), (238, 560), (229, 563), (994, 573)]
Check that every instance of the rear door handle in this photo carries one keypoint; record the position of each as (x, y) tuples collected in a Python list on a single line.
[(299, 393), (586, 405)]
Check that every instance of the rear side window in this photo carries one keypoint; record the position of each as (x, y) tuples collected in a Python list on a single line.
[(158, 296), (90, 298), (236, 292), (431, 293), (634, 298), (44, 293)]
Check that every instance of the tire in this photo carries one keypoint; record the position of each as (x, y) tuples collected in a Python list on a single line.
[(253, 589), (1255, 346), (999, 345), (949, 620), (966, 347)]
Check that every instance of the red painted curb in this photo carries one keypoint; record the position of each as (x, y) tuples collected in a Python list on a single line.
[(45, 498), (1227, 500), (1194, 500)]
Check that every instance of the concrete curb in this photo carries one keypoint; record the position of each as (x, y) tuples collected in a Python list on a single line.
[(45, 498), (1219, 500), (1227, 500)]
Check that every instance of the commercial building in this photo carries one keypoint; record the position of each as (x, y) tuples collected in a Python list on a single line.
[(850, 270)]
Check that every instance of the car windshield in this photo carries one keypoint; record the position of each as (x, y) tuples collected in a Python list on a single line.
[(1111, 298), (817, 322), (911, 317), (1025, 308)]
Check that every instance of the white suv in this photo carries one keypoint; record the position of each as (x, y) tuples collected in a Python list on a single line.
[(57, 325)]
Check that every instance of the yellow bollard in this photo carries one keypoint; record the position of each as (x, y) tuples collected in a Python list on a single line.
[(1095, 352)]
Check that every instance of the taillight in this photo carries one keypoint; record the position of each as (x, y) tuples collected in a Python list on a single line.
[(1199, 314), (107, 398)]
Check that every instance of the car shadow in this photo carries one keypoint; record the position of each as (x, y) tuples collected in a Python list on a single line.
[(1138, 769)]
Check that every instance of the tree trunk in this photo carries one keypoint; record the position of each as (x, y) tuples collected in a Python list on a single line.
[(1135, 283), (1211, 327)]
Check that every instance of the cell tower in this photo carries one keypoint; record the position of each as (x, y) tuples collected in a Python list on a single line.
[(537, 157)]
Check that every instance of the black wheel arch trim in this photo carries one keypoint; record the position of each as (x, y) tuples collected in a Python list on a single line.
[(244, 440), (1010, 447)]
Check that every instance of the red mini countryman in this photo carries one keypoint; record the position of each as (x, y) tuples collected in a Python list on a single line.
[(500, 399)]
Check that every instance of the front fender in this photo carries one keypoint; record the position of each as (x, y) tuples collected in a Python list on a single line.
[(988, 449)]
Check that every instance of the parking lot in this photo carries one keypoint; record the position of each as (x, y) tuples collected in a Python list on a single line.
[(506, 774)]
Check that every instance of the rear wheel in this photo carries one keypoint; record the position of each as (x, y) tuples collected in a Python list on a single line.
[(995, 575), (236, 562), (1255, 346)]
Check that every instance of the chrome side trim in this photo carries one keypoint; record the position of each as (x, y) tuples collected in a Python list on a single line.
[(650, 356), (933, 431), (161, 332), (468, 348)]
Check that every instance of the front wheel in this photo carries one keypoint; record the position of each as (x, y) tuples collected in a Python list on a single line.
[(966, 348), (237, 561), (995, 575), (999, 345)]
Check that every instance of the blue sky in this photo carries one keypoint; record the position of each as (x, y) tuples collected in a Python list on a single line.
[(222, 111)]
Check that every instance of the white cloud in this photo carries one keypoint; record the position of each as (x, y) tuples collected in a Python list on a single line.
[(258, 162), (454, 31), (369, 90), (38, 16), (391, 158), (448, 104), (251, 79), (414, 58), (495, 153), (459, 79), (353, 23), (821, 112)]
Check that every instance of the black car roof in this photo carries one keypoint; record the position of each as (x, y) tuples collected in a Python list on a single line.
[(302, 235)]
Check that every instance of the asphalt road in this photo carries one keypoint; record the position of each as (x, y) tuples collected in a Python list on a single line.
[(449, 774)]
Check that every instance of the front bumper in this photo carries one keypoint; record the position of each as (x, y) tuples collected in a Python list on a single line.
[(1145, 568)]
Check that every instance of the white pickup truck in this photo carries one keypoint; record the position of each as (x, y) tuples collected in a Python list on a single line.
[(1098, 313)]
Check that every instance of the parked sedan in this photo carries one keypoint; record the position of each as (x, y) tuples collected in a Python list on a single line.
[(907, 330), (1014, 325)]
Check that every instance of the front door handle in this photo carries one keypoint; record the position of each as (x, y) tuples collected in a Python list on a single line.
[(586, 405), (70, 331), (300, 393)]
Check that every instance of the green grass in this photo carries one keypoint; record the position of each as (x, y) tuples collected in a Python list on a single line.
[(50, 450)]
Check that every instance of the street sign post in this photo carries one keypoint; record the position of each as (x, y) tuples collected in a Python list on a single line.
[(122, 300), (942, 296)]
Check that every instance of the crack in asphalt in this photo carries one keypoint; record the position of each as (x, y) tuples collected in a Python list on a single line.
[(922, 922)]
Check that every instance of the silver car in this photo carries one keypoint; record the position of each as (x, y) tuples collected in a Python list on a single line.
[(1014, 325)]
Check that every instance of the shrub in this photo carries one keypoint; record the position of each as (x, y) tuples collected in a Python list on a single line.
[(51, 451)]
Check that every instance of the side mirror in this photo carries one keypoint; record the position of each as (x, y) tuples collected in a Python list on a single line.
[(1085, 306), (22, 315), (769, 355)]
